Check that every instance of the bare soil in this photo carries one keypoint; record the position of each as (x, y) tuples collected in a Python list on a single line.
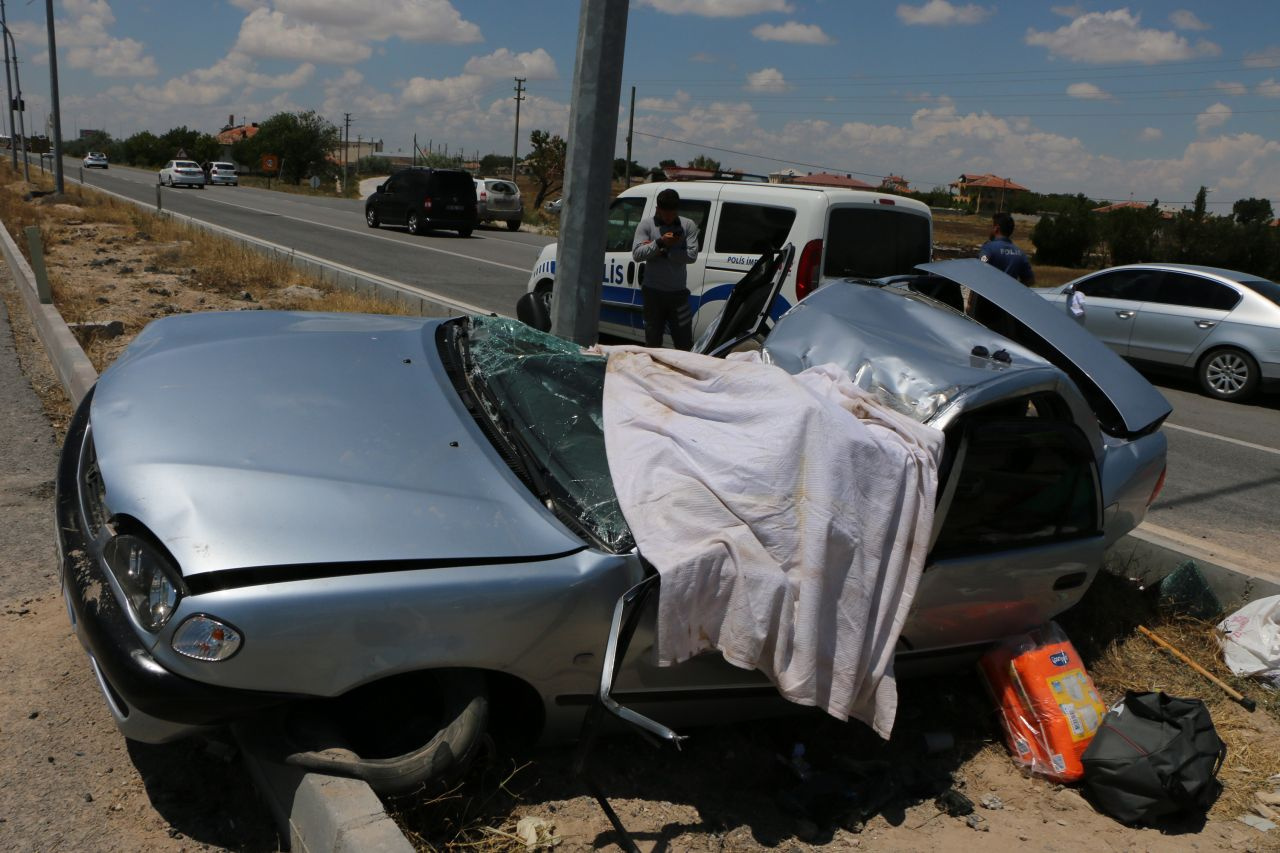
[(69, 781)]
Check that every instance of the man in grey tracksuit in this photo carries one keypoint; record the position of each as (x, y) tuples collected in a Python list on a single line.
[(667, 244)]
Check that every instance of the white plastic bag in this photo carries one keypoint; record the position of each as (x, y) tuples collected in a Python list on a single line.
[(1252, 642)]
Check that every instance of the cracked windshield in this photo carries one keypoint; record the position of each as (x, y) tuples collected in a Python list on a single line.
[(548, 395)]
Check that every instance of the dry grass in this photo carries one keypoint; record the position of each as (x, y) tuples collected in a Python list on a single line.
[(1104, 629)]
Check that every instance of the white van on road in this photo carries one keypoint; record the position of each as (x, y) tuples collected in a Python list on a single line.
[(837, 233)]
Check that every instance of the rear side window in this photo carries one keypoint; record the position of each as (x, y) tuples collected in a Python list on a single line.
[(1268, 289), (750, 229), (873, 242), (1021, 483), (1192, 291), (502, 187), (698, 211)]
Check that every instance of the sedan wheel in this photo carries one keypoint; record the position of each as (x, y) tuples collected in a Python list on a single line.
[(415, 224), (1228, 374), (371, 217)]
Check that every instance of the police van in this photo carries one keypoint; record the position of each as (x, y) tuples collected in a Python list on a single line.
[(837, 233)]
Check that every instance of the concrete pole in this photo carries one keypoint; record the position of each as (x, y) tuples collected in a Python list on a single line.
[(8, 84), (53, 94), (515, 144), (631, 127), (593, 129)]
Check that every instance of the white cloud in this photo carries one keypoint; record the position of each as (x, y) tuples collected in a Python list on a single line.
[(1266, 58), (342, 32), (940, 13), (766, 80), (718, 8), (702, 57), (1214, 116), (679, 103), (533, 65), (408, 20), (1117, 36), (270, 34), (792, 32), (1230, 87), (1087, 91), (421, 91), (1151, 134), (231, 78), (1185, 19), (1268, 88), (88, 44)]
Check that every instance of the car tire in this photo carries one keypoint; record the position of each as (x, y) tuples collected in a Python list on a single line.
[(513, 224), (464, 232), (463, 716), (1228, 374), (371, 217), (414, 223)]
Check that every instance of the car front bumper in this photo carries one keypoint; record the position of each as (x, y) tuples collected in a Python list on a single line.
[(148, 702)]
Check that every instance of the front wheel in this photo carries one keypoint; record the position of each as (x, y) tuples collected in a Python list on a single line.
[(371, 217), (1228, 374)]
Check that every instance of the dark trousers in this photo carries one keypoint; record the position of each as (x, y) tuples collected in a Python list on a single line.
[(665, 309)]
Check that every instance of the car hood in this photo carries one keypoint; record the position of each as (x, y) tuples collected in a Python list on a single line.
[(261, 439)]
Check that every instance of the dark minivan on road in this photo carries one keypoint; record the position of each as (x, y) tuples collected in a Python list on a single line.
[(425, 199)]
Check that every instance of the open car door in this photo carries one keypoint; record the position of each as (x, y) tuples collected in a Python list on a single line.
[(746, 311)]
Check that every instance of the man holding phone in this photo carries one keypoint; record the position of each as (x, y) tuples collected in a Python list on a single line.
[(666, 244)]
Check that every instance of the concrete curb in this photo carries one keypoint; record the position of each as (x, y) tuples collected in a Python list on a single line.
[(73, 367), (1149, 556), (316, 812)]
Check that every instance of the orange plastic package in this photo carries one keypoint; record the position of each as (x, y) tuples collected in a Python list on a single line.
[(1049, 708)]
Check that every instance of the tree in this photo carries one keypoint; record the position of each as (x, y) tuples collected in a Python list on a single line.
[(1201, 204), (665, 163), (1064, 239), (620, 169), (1131, 234), (302, 141), (702, 161), (191, 144), (546, 163), (144, 148), (1248, 210), (495, 164)]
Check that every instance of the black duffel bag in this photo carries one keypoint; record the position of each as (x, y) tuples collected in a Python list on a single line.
[(1154, 756)]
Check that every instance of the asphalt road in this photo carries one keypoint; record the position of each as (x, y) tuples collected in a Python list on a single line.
[(1223, 487), (489, 270)]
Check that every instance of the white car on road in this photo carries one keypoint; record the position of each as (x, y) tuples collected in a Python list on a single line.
[(95, 160), (178, 173)]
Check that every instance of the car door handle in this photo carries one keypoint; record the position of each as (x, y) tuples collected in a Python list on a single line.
[(1125, 315), (1206, 324)]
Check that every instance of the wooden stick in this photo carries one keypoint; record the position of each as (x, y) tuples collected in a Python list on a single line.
[(1245, 702)]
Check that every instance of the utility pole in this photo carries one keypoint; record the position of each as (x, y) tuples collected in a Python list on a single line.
[(631, 126), (18, 104), (346, 147), (8, 85), (593, 132), (515, 145), (53, 93)]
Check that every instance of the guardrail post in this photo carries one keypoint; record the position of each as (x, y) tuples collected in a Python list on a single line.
[(159, 206), (36, 247), (82, 174)]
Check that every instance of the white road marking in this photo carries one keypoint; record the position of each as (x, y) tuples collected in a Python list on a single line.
[(1236, 441)]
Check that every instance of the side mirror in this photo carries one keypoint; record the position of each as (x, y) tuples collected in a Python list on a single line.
[(382, 187)]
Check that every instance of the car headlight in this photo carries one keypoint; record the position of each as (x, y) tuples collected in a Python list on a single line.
[(150, 583), (205, 638)]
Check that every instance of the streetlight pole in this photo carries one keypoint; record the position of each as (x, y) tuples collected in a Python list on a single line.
[(53, 94), (22, 125), (8, 85)]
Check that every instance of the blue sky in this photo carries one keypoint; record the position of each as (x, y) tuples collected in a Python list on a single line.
[(1149, 99)]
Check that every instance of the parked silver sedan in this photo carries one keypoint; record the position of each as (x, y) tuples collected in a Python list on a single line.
[(335, 518), (1221, 326)]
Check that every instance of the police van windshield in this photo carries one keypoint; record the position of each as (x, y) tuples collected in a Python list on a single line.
[(874, 242)]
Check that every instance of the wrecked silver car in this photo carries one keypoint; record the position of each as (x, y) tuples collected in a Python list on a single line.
[(401, 531)]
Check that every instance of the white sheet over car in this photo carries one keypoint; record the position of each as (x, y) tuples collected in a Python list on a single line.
[(789, 517)]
